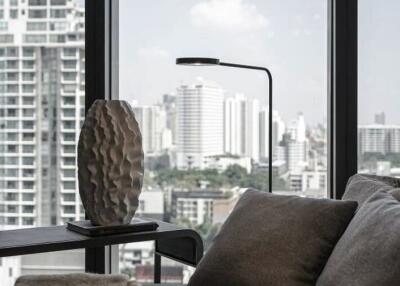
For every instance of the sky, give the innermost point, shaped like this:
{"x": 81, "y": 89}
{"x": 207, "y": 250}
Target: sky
{"x": 287, "y": 36}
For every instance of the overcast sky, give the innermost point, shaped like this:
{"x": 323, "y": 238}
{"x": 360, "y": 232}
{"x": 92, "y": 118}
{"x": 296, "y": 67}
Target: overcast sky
{"x": 287, "y": 36}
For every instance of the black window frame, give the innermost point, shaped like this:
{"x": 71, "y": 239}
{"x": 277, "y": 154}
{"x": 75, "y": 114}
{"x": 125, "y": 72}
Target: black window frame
{"x": 101, "y": 22}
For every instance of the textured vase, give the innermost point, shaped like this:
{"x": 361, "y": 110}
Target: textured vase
{"x": 110, "y": 163}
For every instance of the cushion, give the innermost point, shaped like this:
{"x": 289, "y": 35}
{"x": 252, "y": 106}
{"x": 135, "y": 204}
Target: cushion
{"x": 274, "y": 240}
{"x": 368, "y": 253}
{"x": 395, "y": 193}
{"x": 79, "y": 279}
{"x": 360, "y": 187}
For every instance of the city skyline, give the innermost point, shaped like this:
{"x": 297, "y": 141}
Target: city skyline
{"x": 288, "y": 36}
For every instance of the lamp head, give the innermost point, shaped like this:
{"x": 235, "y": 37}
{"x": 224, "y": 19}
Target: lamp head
{"x": 197, "y": 61}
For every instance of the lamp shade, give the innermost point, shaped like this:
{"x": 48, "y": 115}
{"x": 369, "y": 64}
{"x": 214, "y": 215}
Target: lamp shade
{"x": 197, "y": 61}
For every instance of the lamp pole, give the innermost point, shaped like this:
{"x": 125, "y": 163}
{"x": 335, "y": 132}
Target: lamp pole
{"x": 212, "y": 61}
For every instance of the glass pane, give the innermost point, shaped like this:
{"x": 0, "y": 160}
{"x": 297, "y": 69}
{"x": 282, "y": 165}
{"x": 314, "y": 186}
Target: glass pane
{"x": 378, "y": 87}
{"x": 40, "y": 104}
{"x": 205, "y": 129}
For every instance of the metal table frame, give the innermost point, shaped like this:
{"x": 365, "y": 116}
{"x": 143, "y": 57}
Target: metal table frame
{"x": 180, "y": 244}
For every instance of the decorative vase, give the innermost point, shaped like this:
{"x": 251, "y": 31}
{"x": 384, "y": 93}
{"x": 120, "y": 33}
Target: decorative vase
{"x": 110, "y": 163}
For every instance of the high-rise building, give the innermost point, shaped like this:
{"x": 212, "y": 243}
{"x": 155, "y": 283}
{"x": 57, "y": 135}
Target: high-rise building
{"x": 169, "y": 103}
{"x": 200, "y": 124}
{"x": 380, "y": 118}
{"x": 294, "y": 147}
{"x": 152, "y": 123}
{"x": 297, "y": 148}
{"x": 241, "y": 126}
{"x": 42, "y": 83}
{"x": 278, "y": 129}
{"x": 377, "y": 138}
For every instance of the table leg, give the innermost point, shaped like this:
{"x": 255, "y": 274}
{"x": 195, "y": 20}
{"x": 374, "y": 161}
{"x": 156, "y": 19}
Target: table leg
{"x": 157, "y": 268}
{"x": 95, "y": 260}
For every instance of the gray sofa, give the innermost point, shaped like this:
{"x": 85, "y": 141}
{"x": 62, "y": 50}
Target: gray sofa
{"x": 367, "y": 252}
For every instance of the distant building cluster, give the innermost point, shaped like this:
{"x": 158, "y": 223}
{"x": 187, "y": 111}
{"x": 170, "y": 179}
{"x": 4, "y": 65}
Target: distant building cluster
{"x": 200, "y": 127}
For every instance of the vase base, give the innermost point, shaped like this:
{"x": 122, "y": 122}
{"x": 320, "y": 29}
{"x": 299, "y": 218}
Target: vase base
{"x": 85, "y": 227}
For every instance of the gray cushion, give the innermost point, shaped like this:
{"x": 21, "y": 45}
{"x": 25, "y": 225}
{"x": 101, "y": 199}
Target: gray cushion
{"x": 395, "y": 193}
{"x": 79, "y": 279}
{"x": 368, "y": 253}
{"x": 360, "y": 187}
{"x": 274, "y": 240}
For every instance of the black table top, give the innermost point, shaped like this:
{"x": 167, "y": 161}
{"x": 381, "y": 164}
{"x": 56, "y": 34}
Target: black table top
{"x": 56, "y": 238}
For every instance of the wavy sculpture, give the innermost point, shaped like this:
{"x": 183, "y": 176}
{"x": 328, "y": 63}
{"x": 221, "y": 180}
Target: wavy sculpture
{"x": 110, "y": 163}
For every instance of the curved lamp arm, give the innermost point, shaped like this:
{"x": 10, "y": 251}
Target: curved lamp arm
{"x": 212, "y": 61}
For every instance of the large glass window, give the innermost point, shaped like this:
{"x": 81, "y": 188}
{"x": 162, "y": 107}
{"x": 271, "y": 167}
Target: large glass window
{"x": 205, "y": 129}
{"x": 37, "y": 146}
{"x": 379, "y": 121}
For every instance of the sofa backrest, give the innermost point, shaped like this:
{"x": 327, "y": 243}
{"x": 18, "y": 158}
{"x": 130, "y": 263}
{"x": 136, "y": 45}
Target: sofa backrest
{"x": 360, "y": 187}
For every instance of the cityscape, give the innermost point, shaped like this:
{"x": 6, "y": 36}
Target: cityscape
{"x": 203, "y": 145}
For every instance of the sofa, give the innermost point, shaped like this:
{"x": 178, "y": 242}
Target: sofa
{"x": 355, "y": 241}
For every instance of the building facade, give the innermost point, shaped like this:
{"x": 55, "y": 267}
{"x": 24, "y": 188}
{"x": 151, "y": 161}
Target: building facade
{"x": 241, "y": 126}
{"x": 378, "y": 138}
{"x": 42, "y": 83}
{"x": 200, "y": 124}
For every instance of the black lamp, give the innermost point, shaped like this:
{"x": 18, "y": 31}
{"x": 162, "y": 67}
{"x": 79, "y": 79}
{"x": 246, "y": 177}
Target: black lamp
{"x": 213, "y": 61}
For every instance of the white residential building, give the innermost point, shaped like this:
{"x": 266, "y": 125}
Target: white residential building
{"x": 241, "y": 126}
{"x": 197, "y": 206}
{"x": 378, "y": 138}
{"x": 151, "y": 204}
{"x": 200, "y": 124}
{"x": 297, "y": 145}
{"x": 278, "y": 129}
{"x": 152, "y": 120}
{"x": 312, "y": 183}
{"x": 42, "y": 83}
{"x": 42, "y": 99}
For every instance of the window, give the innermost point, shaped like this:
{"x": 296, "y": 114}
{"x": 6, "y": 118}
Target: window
{"x": 27, "y": 185}
{"x": 36, "y": 26}
{"x": 28, "y": 149}
{"x": 28, "y": 76}
{"x": 69, "y": 52}
{"x": 207, "y": 128}
{"x": 379, "y": 122}
{"x": 57, "y": 38}
{"x": 37, "y": 14}
{"x": 69, "y": 197}
{"x": 28, "y": 197}
{"x": 69, "y": 185}
{"x": 69, "y": 124}
{"x": 13, "y": 13}
{"x": 69, "y": 64}
{"x": 28, "y": 52}
{"x": 6, "y": 38}
{"x": 37, "y": 2}
{"x": 27, "y": 64}
{"x": 3, "y": 26}
{"x": 35, "y": 38}
{"x": 69, "y": 112}
{"x": 58, "y": 13}
{"x": 69, "y": 173}
{"x": 59, "y": 26}
{"x": 58, "y": 2}
{"x": 69, "y": 100}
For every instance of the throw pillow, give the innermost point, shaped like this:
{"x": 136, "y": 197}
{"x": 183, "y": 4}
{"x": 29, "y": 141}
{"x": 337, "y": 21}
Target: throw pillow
{"x": 368, "y": 253}
{"x": 274, "y": 240}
